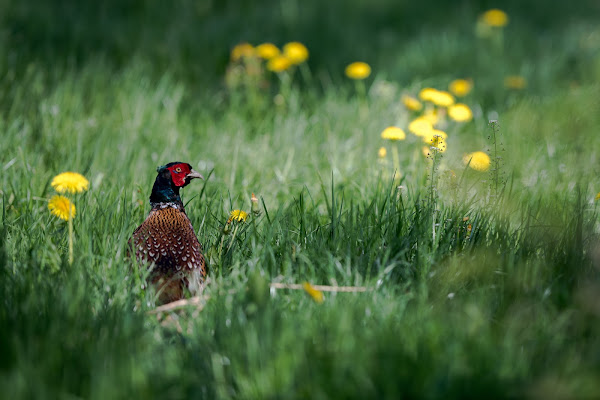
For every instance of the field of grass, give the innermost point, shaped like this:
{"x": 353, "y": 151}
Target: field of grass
{"x": 478, "y": 284}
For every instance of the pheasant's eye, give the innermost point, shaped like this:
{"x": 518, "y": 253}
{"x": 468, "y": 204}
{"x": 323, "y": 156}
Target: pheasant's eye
{"x": 178, "y": 169}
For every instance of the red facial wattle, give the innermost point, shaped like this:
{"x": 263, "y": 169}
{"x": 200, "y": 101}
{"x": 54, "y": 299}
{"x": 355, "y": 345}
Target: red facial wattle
{"x": 179, "y": 172}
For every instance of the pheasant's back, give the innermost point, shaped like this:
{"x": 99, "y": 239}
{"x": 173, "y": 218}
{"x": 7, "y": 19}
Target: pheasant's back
{"x": 167, "y": 239}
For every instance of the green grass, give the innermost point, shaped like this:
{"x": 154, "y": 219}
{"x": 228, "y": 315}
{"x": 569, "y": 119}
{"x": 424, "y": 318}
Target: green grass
{"x": 502, "y": 305}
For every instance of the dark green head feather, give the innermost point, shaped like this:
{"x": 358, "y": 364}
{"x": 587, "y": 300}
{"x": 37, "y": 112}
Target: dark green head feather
{"x": 170, "y": 179}
{"x": 164, "y": 190}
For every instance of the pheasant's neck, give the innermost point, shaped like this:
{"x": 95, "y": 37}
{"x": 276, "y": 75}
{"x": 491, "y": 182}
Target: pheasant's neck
{"x": 171, "y": 204}
{"x": 164, "y": 192}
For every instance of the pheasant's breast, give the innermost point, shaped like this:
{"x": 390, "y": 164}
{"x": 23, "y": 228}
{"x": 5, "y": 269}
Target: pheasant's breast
{"x": 167, "y": 239}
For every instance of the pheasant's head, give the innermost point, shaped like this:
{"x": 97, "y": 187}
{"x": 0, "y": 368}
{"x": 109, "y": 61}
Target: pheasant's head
{"x": 170, "y": 179}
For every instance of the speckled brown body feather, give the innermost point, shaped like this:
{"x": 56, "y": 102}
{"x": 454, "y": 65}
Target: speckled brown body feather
{"x": 167, "y": 239}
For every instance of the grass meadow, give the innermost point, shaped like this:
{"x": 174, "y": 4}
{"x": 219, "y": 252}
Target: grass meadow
{"x": 478, "y": 282}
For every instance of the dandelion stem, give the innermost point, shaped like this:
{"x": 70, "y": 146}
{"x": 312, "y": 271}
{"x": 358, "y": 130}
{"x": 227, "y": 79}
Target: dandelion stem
{"x": 285, "y": 89}
{"x": 496, "y": 173}
{"x": 433, "y": 227}
{"x": 361, "y": 93}
{"x": 496, "y": 169}
{"x": 305, "y": 71}
{"x": 396, "y": 160}
{"x": 432, "y": 199}
{"x": 435, "y": 158}
{"x": 233, "y": 235}
{"x": 70, "y": 223}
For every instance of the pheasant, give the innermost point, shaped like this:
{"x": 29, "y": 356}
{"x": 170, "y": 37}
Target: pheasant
{"x": 166, "y": 239}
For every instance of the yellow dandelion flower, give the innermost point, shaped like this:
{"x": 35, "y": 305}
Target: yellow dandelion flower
{"x": 460, "y": 112}
{"x": 431, "y": 115}
{"x": 495, "y": 17}
{"x": 420, "y": 126}
{"x": 436, "y": 138}
{"x": 279, "y": 64}
{"x": 316, "y": 295}
{"x": 515, "y": 82}
{"x": 426, "y": 94}
{"x": 439, "y": 143}
{"x": 358, "y": 70}
{"x": 479, "y": 160}
{"x": 238, "y": 215}
{"x": 411, "y": 103}
{"x": 267, "y": 51}
{"x": 442, "y": 98}
{"x": 382, "y": 152}
{"x": 461, "y": 87}
{"x": 296, "y": 52}
{"x": 597, "y": 198}
{"x": 62, "y": 207}
{"x": 393, "y": 133}
{"x": 242, "y": 50}
{"x": 438, "y": 97}
{"x": 71, "y": 182}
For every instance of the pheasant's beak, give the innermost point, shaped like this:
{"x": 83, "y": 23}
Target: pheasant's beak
{"x": 193, "y": 174}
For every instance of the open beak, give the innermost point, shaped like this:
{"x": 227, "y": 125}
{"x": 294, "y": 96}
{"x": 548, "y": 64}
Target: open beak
{"x": 193, "y": 174}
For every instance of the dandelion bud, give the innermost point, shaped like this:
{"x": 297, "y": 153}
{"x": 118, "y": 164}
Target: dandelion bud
{"x": 254, "y": 207}
{"x": 227, "y": 228}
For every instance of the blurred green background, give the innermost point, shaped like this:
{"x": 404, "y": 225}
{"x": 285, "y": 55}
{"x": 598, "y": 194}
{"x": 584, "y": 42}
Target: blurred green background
{"x": 193, "y": 38}
{"x": 501, "y": 302}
